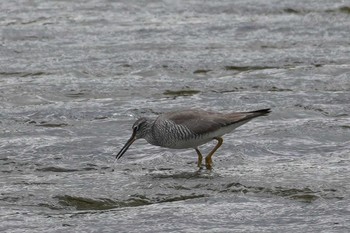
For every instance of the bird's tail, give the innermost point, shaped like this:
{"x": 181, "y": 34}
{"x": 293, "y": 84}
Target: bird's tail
{"x": 261, "y": 112}
{"x": 244, "y": 117}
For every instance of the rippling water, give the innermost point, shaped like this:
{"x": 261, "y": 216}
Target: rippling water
{"x": 75, "y": 75}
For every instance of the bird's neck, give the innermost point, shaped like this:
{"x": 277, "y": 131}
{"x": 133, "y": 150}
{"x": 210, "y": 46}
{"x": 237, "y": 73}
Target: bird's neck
{"x": 148, "y": 131}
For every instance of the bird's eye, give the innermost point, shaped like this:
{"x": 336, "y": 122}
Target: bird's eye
{"x": 136, "y": 127}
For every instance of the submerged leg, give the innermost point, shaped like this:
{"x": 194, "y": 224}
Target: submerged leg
{"x": 208, "y": 160}
{"x": 200, "y": 157}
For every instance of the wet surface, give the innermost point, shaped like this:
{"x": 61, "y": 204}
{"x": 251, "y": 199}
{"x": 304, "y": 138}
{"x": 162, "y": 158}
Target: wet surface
{"x": 75, "y": 76}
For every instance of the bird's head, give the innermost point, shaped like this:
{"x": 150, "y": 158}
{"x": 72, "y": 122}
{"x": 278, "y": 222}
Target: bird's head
{"x": 139, "y": 130}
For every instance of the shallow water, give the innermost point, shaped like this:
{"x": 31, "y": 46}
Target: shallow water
{"x": 74, "y": 77}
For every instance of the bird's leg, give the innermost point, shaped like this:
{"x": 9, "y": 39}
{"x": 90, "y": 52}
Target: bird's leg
{"x": 208, "y": 161}
{"x": 200, "y": 157}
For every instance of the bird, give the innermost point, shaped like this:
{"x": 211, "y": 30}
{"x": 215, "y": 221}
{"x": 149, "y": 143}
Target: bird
{"x": 189, "y": 128}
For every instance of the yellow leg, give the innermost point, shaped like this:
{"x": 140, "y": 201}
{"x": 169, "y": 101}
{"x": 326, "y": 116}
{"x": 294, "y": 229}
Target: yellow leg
{"x": 208, "y": 160}
{"x": 200, "y": 158}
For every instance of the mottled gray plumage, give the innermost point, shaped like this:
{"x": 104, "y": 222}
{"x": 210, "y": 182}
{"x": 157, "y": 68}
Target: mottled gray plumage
{"x": 189, "y": 129}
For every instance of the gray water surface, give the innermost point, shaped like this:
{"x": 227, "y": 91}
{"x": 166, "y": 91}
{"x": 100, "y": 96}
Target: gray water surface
{"x": 75, "y": 75}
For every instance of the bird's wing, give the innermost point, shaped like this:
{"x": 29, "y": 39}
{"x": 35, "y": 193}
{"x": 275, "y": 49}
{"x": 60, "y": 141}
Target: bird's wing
{"x": 202, "y": 122}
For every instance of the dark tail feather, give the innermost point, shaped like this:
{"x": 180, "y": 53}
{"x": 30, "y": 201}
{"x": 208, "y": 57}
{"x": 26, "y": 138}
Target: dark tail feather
{"x": 244, "y": 117}
{"x": 261, "y": 112}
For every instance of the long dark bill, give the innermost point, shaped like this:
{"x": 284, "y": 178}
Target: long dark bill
{"x": 126, "y": 146}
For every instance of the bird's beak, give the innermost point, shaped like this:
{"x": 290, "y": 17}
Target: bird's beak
{"x": 126, "y": 146}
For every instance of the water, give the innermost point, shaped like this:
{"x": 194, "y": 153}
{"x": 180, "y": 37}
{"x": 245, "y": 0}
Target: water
{"x": 75, "y": 75}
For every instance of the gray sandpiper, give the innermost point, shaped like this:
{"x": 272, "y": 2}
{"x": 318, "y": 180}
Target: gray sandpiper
{"x": 189, "y": 129}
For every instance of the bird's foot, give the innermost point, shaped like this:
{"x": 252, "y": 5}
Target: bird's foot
{"x": 209, "y": 166}
{"x": 200, "y": 167}
{"x": 208, "y": 163}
